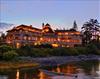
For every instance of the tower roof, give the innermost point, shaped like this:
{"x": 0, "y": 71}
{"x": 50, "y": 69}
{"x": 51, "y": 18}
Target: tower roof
{"x": 47, "y": 24}
{"x": 47, "y": 29}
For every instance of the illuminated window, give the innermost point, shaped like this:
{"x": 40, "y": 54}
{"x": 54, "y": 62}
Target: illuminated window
{"x": 8, "y": 41}
{"x": 77, "y": 33}
{"x": 35, "y": 43}
{"x": 25, "y": 37}
{"x": 68, "y": 46}
{"x": 29, "y": 38}
{"x": 55, "y": 45}
{"x": 59, "y": 33}
{"x": 17, "y": 45}
{"x": 42, "y": 30}
{"x": 46, "y": 30}
{"x": 41, "y": 39}
{"x": 58, "y": 39}
{"x": 20, "y": 30}
{"x": 72, "y": 33}
{"x": 66, "y": 33}
{"x": 68, "y": 40}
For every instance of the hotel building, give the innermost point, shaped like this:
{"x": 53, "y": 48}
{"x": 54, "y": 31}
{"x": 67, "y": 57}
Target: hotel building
{"x": 27, "y": 35}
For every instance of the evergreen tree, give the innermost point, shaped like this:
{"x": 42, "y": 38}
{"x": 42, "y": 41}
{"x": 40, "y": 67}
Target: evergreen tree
{"x": 75, "y": 26}
{"x": 91, "y": 31}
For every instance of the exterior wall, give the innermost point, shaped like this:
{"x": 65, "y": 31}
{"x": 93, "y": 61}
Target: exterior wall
{"x": 69, "y": 39}
{"x": 18, "y": 39}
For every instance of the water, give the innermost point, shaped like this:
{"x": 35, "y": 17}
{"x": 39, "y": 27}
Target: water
{"x": 82, "y": 70}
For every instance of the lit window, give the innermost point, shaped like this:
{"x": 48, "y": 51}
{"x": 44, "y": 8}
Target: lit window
{"x": 25, "y": 37}
{"x": 77, "y": 33}
{"x": 68, "y": 40}
{"x": 58, "y": 39}
{"x": 29, "y": 38}
{"x": 46, "y": 30}
{"x": 8, "y": 41}
{"x": 66, "y": 33}
{"x": 72, "y": 33}
{"x": 17, "y": 45}
{"x": 20, "y": 30}
{"x": 41, "y": 39}
{"x": 59, "y": 33}
{"x": 55, "y": 45}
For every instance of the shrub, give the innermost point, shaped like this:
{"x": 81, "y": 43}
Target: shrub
{"x": 92, "y": 49}
{"x": 72, "y": 51}
{"x": 36, "y": 52}
{"x": 5, "y": 48}
{"x": 64, "y": 51}
{"x": 10, "y": 55}
{"x": 25, "y": 51}
{"x": 82, "y": 50}
{"x": 57, "y": 52}
{"x": 98, "y": 52}
{"x": 42, "y": 52}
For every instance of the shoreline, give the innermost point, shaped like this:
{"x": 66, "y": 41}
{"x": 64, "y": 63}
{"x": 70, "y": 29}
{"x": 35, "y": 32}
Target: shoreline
{"x": 44, "y": 61}
{"x": 60, "y": 60}
{"x": 9, "y": 65}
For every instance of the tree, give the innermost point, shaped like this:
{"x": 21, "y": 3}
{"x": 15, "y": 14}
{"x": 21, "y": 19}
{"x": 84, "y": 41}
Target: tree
{"x": 74, "y": 28}
{"x": 3, "y": 49}
{"x": 90, "y": 30}
{"x": 92, "y": 49}
{"x": 2, "y": 39}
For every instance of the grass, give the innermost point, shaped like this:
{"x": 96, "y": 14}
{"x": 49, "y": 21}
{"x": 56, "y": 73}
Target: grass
{"x": 5, "y": 65}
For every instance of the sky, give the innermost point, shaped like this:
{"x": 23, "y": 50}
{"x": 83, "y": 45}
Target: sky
{"x": 58, "y": 13}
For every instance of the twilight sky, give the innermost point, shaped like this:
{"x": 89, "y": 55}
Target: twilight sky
{"x": 59, "y": 13}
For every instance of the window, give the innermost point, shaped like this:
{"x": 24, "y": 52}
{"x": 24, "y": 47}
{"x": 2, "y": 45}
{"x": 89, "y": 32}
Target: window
{"x": 17, "y": 45}
{"x": 25, "y": 37}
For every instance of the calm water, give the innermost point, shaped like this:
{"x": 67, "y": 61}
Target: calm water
{"x": 90, "y": 69}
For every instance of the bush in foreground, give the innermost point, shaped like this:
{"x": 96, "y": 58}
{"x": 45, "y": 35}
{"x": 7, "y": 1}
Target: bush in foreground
{"x": 10, "y": 55}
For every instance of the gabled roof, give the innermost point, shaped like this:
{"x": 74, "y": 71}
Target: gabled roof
{"x": 24, "y": 27}
{"x": 47, "y": 24}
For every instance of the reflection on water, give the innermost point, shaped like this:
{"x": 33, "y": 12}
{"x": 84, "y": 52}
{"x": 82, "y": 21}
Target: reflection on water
{"x": 25, "y": 76}
{"x": 58, "y": 69}
{"x": 89, "y": 68}
{"x": 17, "y": 74}
{"x": 97, "y": 75}
{"x": 43, "y": 76}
